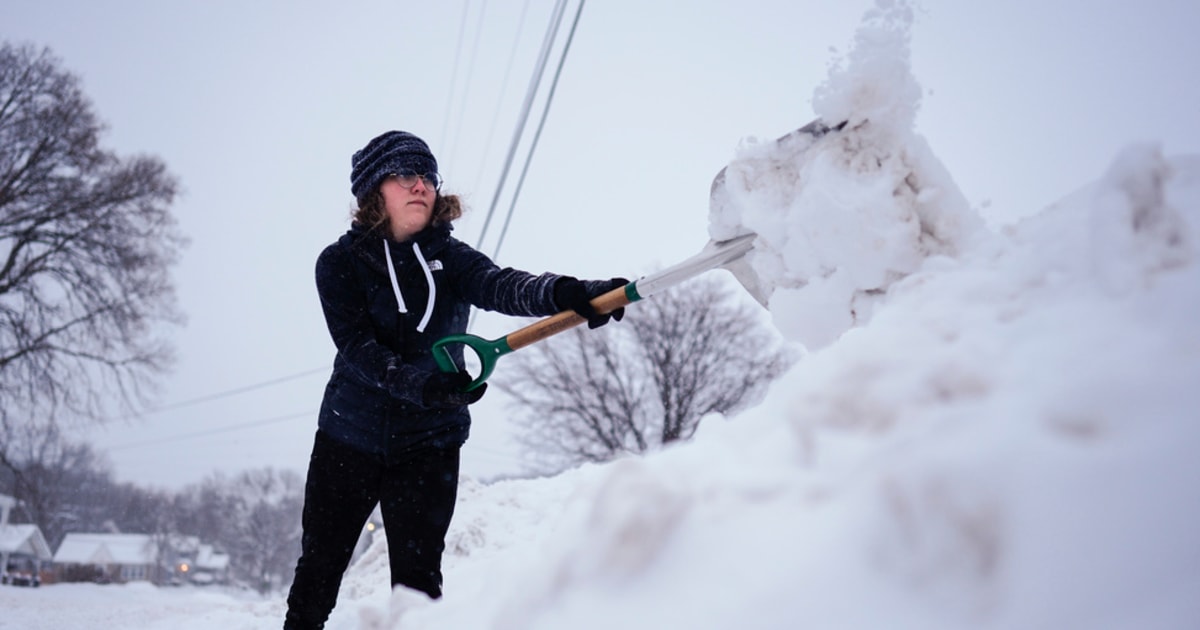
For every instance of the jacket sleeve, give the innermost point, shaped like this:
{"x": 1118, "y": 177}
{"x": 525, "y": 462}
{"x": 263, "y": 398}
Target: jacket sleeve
{"x": 348, "y": 318}
{"x": 509, "y": 291}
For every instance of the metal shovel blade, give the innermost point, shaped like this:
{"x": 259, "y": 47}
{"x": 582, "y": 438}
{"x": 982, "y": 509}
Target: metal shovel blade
{"x": 715, "y": 254}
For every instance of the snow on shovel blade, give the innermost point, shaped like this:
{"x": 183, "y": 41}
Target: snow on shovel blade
{"x": 791, "y": 144}
{"x": 729, "y": 254}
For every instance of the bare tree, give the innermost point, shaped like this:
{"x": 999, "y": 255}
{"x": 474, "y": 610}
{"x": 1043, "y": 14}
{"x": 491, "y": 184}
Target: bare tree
{"x": 254, "y": 517}
{"x": 54, "y": 479}
{"x": 590, "y": 395}
{"x": 263, "y": 532}
{"x": 86, "y": 243}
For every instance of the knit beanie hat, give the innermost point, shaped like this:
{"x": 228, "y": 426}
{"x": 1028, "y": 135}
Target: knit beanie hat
{"x": 388, "y": 153}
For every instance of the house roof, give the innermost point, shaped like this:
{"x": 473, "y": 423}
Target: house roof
{"x": 24, "y": 539}
{"x": 124, "y": 549}
{"x": 211, "y": 560}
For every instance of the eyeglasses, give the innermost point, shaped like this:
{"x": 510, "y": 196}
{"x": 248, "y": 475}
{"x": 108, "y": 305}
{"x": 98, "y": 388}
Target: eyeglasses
{"x": 407, "y": 179}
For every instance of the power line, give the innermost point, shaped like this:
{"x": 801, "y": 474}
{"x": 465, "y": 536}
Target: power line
{"x": 512, "y": 54}
{"x": 462, "y": 109}
{"x": 462, "y": 28}
{"x": 539, "y": 69}
{"x": 225, "y": 429}
{"x": 225, "y": 394}
{"x": 541, "y": 125}
{"x": 236, "y": 391}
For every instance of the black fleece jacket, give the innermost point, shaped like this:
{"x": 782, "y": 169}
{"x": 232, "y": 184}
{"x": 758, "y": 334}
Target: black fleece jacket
{"x": 373, "y": 400}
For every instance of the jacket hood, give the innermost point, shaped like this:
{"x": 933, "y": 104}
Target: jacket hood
{"x": 364, "y": 242}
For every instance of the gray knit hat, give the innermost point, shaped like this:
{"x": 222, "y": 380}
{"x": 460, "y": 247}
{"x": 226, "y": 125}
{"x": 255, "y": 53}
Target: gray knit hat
{"x": 388, "y": 153}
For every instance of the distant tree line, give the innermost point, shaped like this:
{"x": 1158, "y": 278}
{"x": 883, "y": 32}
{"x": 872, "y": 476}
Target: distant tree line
{"x": 254, "y": 516}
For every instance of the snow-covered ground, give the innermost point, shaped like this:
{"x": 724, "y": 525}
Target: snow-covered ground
{"x": 991, "y": 429}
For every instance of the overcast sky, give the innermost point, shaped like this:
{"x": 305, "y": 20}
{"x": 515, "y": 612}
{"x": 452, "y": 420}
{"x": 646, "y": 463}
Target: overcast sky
{"x": 257, "y": 106}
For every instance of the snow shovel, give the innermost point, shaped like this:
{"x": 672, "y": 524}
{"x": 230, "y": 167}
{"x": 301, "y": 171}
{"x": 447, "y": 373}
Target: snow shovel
{"x": 715, "y": 254}
{"x": 727, "y": 254}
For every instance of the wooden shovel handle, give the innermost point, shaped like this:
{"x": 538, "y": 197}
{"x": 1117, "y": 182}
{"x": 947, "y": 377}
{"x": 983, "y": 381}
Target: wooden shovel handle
{"x": 550, "y": 326}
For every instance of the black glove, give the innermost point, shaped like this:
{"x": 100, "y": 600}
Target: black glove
{"x": 572, "y": 293}
{"x": 444, "y": 390}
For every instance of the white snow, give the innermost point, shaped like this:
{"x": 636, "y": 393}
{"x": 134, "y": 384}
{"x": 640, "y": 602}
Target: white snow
{"x": 990, "y": 429}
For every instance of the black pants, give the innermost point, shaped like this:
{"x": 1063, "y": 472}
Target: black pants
{"x": 416, "y": 498}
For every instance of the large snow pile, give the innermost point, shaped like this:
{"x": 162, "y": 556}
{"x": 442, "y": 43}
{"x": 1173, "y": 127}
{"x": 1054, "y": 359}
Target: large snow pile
{"x": 991, "y": 430}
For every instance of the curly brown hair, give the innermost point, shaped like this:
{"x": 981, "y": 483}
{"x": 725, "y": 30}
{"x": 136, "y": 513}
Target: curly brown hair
{"x": 372, "y": 214}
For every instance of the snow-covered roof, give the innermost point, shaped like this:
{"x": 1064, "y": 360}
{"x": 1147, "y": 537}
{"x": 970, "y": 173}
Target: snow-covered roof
{"x": 24, "y": 539}
{"x": 125, "y": 549}
{"x": 211, "y": 560}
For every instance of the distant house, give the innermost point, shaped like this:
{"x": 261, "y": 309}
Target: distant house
{"x": 197, "y": 562}
{"x": 211, "y": 567}
{"x": 108, "y": 558}
{"x": 23, "y": 549}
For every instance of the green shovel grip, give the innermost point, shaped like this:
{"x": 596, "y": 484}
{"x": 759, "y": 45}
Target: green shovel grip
{"x": 487, "y": 351}
{"x": 490, "y": 351}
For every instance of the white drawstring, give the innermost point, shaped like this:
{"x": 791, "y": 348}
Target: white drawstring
{"x": 432, "y": 288}
{"x": 387, "y": 252}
